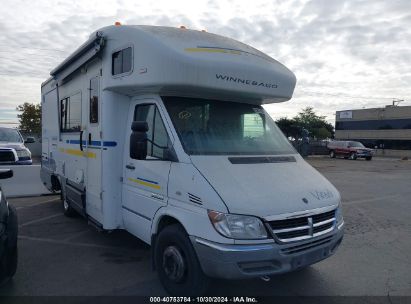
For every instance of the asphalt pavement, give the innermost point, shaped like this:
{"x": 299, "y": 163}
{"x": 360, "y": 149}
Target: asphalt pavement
{"x": 63, "y": 256}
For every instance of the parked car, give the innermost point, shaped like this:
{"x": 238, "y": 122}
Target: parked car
{"x": 349, "y": 149}
{"x": 12, "y": 148}
{"x": 8, "y": 234}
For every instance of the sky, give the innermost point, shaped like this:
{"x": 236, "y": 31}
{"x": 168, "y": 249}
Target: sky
{"x": 346, "y": 54}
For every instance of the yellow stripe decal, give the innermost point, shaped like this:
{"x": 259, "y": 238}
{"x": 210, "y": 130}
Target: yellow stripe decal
{"x": 210, "y": 50}
{"x": 144, "y": 183}
{"x": 78, "y": 153}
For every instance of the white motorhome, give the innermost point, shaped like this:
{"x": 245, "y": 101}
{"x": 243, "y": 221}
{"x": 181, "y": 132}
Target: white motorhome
{"x": 161, "y": 131}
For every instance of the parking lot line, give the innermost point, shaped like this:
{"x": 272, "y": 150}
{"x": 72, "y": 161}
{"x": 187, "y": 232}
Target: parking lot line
{"x": 39, "y": 203}
{"x": 41, "y": 219}
{"x": 373, "y": 199}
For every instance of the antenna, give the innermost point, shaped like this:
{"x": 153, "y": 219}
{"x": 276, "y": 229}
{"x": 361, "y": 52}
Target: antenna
{"x": 396, "y": 101}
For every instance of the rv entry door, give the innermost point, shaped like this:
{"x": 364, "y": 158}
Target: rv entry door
{"x": 94, "y": 146}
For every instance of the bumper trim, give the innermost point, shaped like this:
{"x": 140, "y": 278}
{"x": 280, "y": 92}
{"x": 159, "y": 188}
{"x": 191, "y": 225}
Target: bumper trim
{"x": 234, "y": 248}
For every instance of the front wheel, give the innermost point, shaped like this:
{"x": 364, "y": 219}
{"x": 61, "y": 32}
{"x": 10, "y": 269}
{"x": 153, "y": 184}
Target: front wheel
{"x": 177, "y": 264}
{"x": 332, "y": 154}
{"x": 368, "y": 158}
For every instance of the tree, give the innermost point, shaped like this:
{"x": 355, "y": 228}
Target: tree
{"x": 289, "y": 127}
{"x": 30, "y": 117}
{"x": 318, "y": 127}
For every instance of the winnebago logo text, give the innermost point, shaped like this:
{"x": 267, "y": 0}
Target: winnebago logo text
{"x": 246, "y": 81}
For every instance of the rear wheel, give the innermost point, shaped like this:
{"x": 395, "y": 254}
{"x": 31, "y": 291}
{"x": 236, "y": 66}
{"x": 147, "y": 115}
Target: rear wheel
{"x": 177, "y": 264}
{"x": 67, "y": 209}
{"x": 353, "y": 156}
{"x": 368, "y": 158}
{"x": 332, "y": 154}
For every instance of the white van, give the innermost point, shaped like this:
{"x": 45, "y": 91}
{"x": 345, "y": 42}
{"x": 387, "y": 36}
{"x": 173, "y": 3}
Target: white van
{"x": 161, "y": 131}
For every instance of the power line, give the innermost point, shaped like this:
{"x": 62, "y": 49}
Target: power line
{"x": 33, "y": 48}
{"x": 343, "y": 95}
{"x": 9, "y": 53}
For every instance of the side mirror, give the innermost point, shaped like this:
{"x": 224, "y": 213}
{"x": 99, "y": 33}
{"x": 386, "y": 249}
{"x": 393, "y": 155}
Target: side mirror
{"x": 29, "y": 140}
{"x": 138, "y": 140}
{"x": 139, "y": 126}
{"x": 6, "y": 173}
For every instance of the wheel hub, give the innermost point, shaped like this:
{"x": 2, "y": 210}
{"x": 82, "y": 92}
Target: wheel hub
{"x": 173, "y": 264}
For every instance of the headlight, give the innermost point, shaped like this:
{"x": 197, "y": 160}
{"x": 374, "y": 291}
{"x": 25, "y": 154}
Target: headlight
{"x": 236, "y": 226}
{"x": 339, "y": 217}
{"x": 23, "y": 153}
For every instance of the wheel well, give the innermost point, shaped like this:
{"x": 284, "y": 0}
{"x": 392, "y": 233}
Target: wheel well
{"x": 166, "y": 221}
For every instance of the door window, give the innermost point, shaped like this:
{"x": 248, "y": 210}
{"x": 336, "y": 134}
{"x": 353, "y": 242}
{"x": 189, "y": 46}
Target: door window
{"x": 157, "y": 133}
{"x": 94, "y": 100}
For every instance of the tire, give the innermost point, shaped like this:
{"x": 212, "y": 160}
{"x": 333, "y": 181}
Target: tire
{"x": 8, "y": 263}
{"x": 177, "y": 264}
{"x": 11, "y": 262}
{"x": 353, "y": 156}
{"x": 67, "y": 209}
{"x": 368, "y": 158}
{"x": 332, "y": 154}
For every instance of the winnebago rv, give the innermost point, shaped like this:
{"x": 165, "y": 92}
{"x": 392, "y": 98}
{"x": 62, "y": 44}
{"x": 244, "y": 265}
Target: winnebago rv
{"x": 161, "y": 131}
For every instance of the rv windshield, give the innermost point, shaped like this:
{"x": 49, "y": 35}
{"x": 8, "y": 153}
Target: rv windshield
{"x": 10, "y": 135}
{"x": 212, "y": 127}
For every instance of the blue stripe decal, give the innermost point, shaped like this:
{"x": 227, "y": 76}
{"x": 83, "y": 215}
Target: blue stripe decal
{"x": 147, "y": 180}
{"x": 96, "y": 143}
{"x": 109, "y": 144}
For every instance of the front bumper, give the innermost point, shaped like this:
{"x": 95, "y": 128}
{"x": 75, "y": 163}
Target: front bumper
{"x": 17, "y": 162}
{"x": 247, "y": 261}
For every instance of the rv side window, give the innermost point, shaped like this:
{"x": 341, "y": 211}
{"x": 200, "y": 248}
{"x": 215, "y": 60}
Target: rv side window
{"x": 94, "y": 100}
{"x": 70, "y": 108}
{"x": 121, "y": 61}
{"x": 156, "y": 133}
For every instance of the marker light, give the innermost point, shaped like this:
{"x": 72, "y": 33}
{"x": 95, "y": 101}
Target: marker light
{"x": 117, "y": 23}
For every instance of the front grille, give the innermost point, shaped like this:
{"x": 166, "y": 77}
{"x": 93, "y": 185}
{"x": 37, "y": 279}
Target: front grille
{"x": 7, "y": 156}
{"x": 306, "y": 246}
{"x": 301, "y": 228}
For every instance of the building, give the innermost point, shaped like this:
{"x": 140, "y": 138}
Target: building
{"x": 386, "y": 129}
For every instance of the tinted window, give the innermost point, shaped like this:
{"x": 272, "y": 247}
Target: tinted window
{"x": 94, "y": 100}
{"x": 70, "y": 119}
{"x": 122, "y": 61}
{"x": 383, "y": 124}
{"x": 156, "y": 133}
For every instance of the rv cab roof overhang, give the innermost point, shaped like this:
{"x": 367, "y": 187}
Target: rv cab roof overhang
{"x": 169, "y": 61}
